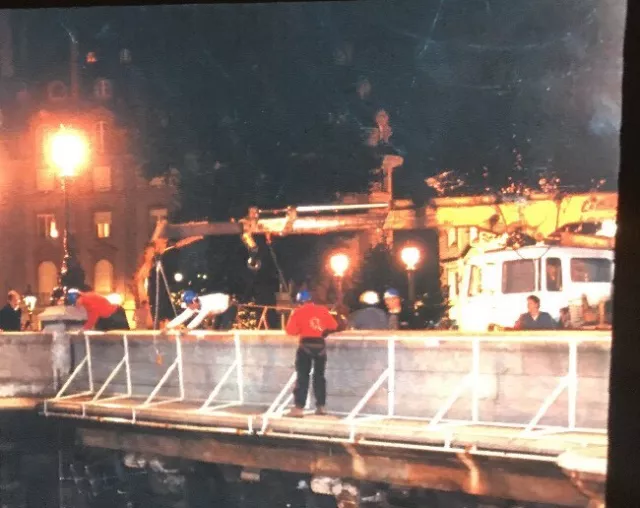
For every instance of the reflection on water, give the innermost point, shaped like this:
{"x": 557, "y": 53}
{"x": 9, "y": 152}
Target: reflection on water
{"x": 32, "y": 464}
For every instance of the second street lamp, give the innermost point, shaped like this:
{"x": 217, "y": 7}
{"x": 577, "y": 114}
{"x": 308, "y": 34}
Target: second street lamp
{"x": 410, "y": 256}
{"x": 68, "y": 151}
{"x": 339, "y": 264}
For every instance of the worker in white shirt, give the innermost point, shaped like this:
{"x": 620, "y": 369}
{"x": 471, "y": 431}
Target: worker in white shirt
{"x": 200, "y": 307}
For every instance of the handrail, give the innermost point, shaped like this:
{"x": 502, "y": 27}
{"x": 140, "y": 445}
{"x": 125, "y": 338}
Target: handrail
{"x": 352, "y": 420}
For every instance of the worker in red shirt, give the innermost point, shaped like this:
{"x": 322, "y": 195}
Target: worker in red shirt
{"x": 102, "y": 315}
{"x": 312, "y": 323}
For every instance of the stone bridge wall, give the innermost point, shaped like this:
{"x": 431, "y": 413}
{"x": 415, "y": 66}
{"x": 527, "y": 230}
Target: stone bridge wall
{"x": 517, "y": 371}
{"x": 25, "y": 365}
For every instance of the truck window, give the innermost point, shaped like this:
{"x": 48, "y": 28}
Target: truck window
{"x": 475, "y": 281}
{"x": 518, "y": 276}
{"x": 591, "y": 270}
{"x": 554, "y": 274}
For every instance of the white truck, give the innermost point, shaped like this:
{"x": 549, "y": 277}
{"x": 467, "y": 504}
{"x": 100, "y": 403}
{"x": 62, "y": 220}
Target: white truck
{"x": 490, "y": 288}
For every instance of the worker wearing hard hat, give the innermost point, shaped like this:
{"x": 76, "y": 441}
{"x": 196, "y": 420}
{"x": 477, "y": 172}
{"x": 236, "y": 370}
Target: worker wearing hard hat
{"x": 312, "y": 323}
{"x": 199, "y": 307}
{"x": 369, "y": 317}
{"x": 399, "y": 317}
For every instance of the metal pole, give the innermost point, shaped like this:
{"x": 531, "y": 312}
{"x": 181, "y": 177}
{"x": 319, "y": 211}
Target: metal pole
{"x": 339, "y": 296}
{"x": 73, "y": 68}
{"x": 411, "y": 286}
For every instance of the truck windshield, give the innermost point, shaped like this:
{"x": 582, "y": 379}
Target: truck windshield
{"x": 591, "y": 270}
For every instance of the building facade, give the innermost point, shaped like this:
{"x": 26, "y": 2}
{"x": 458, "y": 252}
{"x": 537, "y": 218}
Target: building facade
{"x": 113, "y": 207}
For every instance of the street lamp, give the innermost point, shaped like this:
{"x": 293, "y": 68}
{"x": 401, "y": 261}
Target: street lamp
{"x": 178, "y": 277}
{"x": 410, "y": 256}
{"x": 68, "y": 151}
{"x": 339, "y": 263}
{"x": 30, "y": 300}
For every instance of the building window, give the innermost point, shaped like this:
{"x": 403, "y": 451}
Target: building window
{"x": 103, "y": 89}
{"x": 102, "y": 178}
{"x": 57, "y": 90}
{"x": 102, "y": 221}
{"x": 47, "y": 279}
{"x": 156, "y": 215}
{"x": 100, "y": 137}
{"x": 103, "y": 277}
{"x": 47, "y": 227}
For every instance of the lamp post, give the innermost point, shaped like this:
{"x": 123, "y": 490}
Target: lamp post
{"x": 410, "y": 256}
{"x": 30, "y": 300}
{"x": 68, "y": 151}
{"x": 339, "y": 263}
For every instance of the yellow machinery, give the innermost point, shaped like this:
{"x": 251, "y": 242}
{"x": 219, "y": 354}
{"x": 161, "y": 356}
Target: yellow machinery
{"x": 544, "y": 217}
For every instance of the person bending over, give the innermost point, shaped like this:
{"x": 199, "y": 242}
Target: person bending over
{"x": 198, "y": 308}
{"x": 102, "y": 315}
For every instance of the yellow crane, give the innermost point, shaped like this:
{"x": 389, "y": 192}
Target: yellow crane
{"x": 544, "y": 217}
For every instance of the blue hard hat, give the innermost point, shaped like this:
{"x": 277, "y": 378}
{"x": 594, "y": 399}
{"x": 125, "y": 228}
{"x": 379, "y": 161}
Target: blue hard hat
{"x": 189, "y": 296}
{"x": 303, "y": 296}
{"x": 72, "y": 296}
{"x": 392, "y": 293}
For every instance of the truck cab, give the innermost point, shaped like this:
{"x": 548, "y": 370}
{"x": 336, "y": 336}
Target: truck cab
{"x": 490, "y": 288}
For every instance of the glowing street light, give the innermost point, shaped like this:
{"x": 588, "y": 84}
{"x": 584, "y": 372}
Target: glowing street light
{"x": 68, "y": 150}
{"x": 411, "y": 256}
{"x": 339, "y": 264}
{"x": 178, "y": 277}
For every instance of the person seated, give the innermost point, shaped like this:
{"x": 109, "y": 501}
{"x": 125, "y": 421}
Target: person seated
{"x": 198, "y": 308}
{"x": 102, "y": 315}
{"x": 533, "y": 319}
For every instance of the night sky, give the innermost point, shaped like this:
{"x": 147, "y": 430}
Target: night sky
{"x": 275, "y": 104}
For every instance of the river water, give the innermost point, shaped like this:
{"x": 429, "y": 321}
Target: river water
{"x": 42, "y": 467}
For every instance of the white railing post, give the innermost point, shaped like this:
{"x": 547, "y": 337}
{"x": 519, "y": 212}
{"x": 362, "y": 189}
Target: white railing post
{"x": 239, "y": 367}
{"x": 572, "y": 379}
{"x": 475, "y": 381}
{"x": 391, "y": 380}
{"x": 127, "y": 364}
{"x": 180, "y": 366}
{"x": 87, "y": 344}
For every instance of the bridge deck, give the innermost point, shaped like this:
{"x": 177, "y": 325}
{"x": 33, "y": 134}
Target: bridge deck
{"x": 447, "y": 435}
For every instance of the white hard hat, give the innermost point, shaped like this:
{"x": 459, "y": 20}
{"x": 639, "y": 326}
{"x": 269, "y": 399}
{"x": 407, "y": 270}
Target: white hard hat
{"x": 370, "y": 298}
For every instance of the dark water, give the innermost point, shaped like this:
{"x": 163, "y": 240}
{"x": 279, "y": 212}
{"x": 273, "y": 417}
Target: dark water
{"x": 42, "y": 467}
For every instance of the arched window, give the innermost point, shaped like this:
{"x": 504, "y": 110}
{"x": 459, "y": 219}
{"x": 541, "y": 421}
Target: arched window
{"x": 47, "y": 278}
{"x": 103, "y": 279}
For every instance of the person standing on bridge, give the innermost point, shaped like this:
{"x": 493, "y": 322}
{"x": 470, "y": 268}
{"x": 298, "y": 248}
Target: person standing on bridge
{"x": 312, "y": 323}
{"x": 369, "y": 317}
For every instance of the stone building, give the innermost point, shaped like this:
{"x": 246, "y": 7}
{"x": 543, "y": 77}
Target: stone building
{"x": 113, "y": 208}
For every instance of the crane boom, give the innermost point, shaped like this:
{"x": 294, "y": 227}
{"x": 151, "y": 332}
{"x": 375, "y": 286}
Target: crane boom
{"x": 538, "y": 215}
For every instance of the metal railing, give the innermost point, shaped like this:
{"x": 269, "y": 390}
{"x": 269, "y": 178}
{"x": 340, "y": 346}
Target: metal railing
{"x": 262, "y": 314}
{"x": 259, "y": 421}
